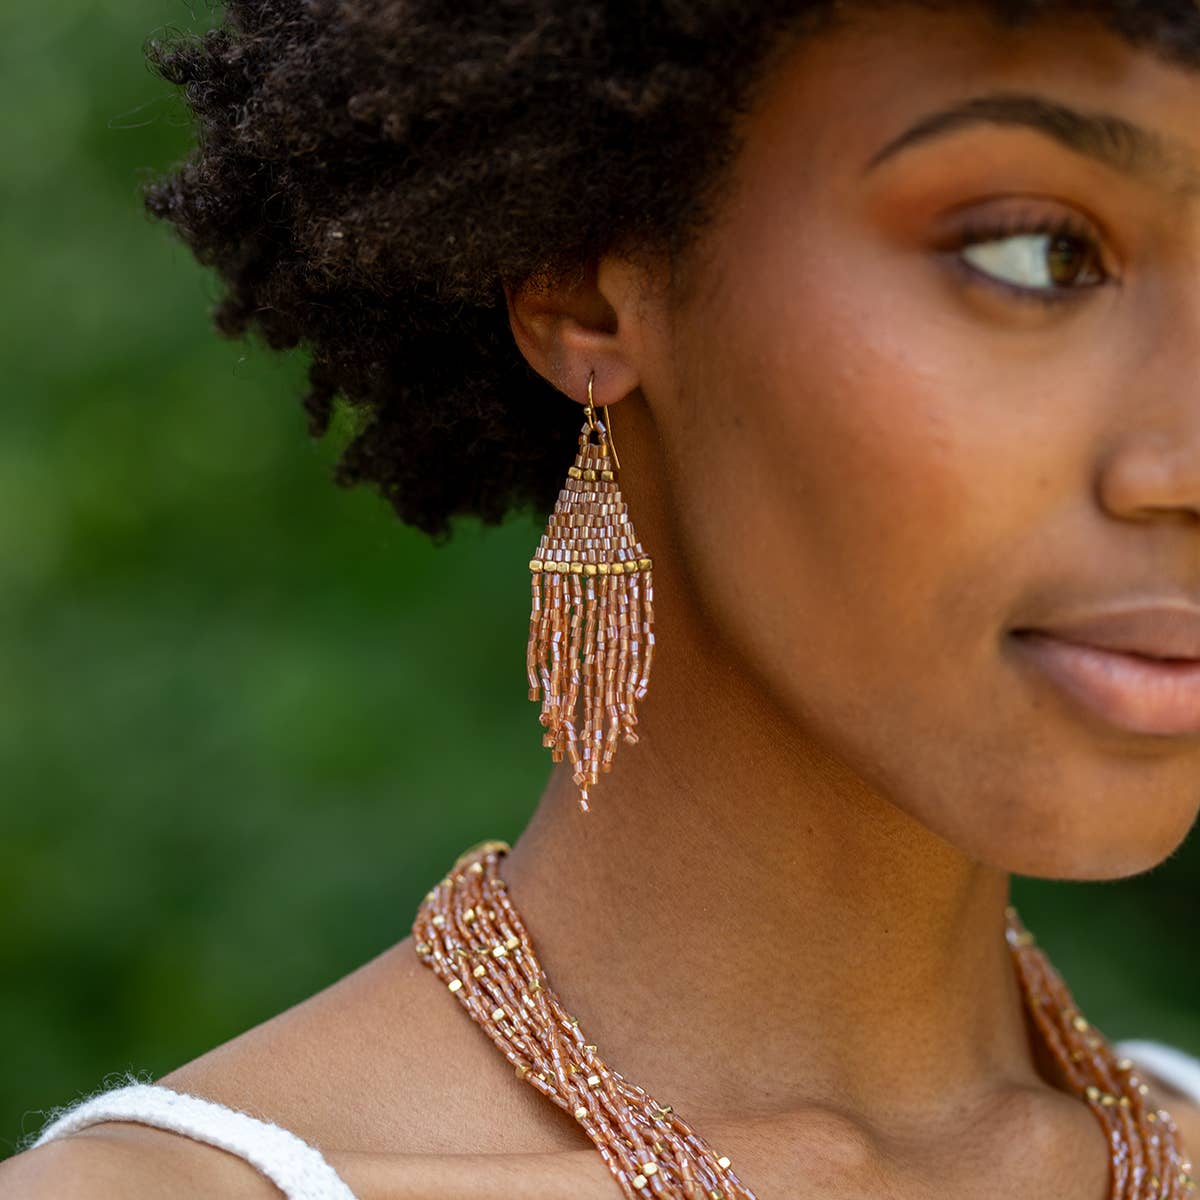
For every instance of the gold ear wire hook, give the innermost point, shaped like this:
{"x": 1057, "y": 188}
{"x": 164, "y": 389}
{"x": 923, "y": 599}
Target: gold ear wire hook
{"x": 591, "y": 416}
{"x": 590, "y": 408}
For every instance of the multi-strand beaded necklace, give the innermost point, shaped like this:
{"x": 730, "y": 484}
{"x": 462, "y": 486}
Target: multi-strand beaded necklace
{"x": 472, "y": 937}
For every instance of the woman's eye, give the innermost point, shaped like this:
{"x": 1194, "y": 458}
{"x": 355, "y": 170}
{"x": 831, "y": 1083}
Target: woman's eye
{"x": 1039, "y": 264}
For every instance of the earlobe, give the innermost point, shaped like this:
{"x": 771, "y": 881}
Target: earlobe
{"x": 567, "y": 331}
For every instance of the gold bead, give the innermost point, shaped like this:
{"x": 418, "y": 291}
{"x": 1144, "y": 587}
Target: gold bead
{"x": 606, "y": 475}
{"x": 589, "y": 568}
{"x": 1142, "y": 1088}
{"x": 602, "y": 568}
{"x": 1107, "y": 1099}
{"x": 1124, "y": 1064}
{"x": 638, "y": 1181}
{"x": 535, "y": 564}
{"x": 723, "y": 1163}
{"x": 1081, "y": 1024}
{"x": 580, "y": 1113}
{"x": 616, "y": 568}
{"x": 497, "y": 1014}
{"x": 575, "y": 568}
{"x": 536, "y": 986}
{"x": 522, "y": 1070}
{"x": 645, "y": 563}
{"x": 498, "y": 951}
{"x": 574, "y": 472}
{"x": 1092, "y": 1092}
{"x": 593, "y": 1081}
{"x": 424, "y": 948}
{"x": 1151, "y": 1117}
{"x": 589, "y": 1048}
{"x": 513, "y": 942}
{"x": 454, "y": 984}
{"x": 649, "y": 1168}
{"x": 468, "y": 915}
{"x": 439, "y": 920}
{"x": 480, "y": 971}
{"x": 1124, "y": 1102}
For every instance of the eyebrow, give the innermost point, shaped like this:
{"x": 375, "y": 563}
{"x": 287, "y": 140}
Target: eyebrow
{"x": 1113, "y": 140}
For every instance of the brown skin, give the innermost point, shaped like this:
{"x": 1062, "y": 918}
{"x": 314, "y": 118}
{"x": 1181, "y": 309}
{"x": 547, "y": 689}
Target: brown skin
{"x": 855, "y": 471}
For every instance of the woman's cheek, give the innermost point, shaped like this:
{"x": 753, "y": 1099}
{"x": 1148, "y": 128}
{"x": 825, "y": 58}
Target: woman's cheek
{"x": 877, "y": 447}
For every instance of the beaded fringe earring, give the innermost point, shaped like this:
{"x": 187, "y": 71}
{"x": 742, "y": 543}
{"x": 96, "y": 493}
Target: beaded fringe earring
{"x": 593, "y": 589}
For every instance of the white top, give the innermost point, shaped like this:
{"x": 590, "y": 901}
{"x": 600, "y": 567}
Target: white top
{"x": 300, "y": 1171}
{"x": 296, "y": 1168}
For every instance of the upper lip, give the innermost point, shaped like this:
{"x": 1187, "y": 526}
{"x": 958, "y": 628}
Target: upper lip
{"x": 1155, "y": 631}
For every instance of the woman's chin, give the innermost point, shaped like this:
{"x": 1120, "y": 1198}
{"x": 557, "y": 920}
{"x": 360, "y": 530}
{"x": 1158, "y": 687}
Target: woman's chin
{"x": 1096, "y": 852}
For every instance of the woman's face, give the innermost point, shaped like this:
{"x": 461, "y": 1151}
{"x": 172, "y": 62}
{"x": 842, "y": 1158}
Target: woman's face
{"x": 888, "y": 450}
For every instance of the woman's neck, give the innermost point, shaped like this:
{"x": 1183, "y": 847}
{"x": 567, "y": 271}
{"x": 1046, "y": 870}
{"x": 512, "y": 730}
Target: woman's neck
{"x": 746, "y": 929}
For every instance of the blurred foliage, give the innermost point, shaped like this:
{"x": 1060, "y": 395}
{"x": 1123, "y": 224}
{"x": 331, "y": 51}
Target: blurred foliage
{"x": 248, "y": 718}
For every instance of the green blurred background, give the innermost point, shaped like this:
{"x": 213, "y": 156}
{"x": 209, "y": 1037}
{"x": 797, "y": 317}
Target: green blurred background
{"x": 248, "y": 718}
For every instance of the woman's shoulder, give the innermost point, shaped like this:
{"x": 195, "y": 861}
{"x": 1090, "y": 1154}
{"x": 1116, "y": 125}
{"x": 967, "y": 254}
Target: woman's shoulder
{"x": 127, "y": 1161}
{"x": 308, "y": 1072}
{"x": 115, "y": 1159}
{"x": 383, "y": 1062}
{"x": 380, "y": 1074}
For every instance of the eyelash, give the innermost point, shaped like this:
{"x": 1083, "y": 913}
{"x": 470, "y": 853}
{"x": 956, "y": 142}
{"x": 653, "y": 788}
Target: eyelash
{"x": 984, "y": 229}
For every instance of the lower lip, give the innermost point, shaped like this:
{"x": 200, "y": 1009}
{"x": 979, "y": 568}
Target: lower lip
{"x": 1140, "y": 695}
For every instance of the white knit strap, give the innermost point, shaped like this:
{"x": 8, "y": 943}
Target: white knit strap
{"x": 1173, "y": 1066}
{"x": 295, "y": 1167}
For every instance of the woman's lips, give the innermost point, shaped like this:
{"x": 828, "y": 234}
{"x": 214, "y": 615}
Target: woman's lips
{"x": 1131, "y": 691}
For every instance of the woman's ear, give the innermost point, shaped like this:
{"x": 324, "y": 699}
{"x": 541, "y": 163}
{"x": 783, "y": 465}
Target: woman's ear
{"x": 570, "y": 328}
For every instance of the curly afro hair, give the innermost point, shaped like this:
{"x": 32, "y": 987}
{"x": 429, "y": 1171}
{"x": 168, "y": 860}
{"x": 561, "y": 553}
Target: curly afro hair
{"x": 368, "y": 174}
